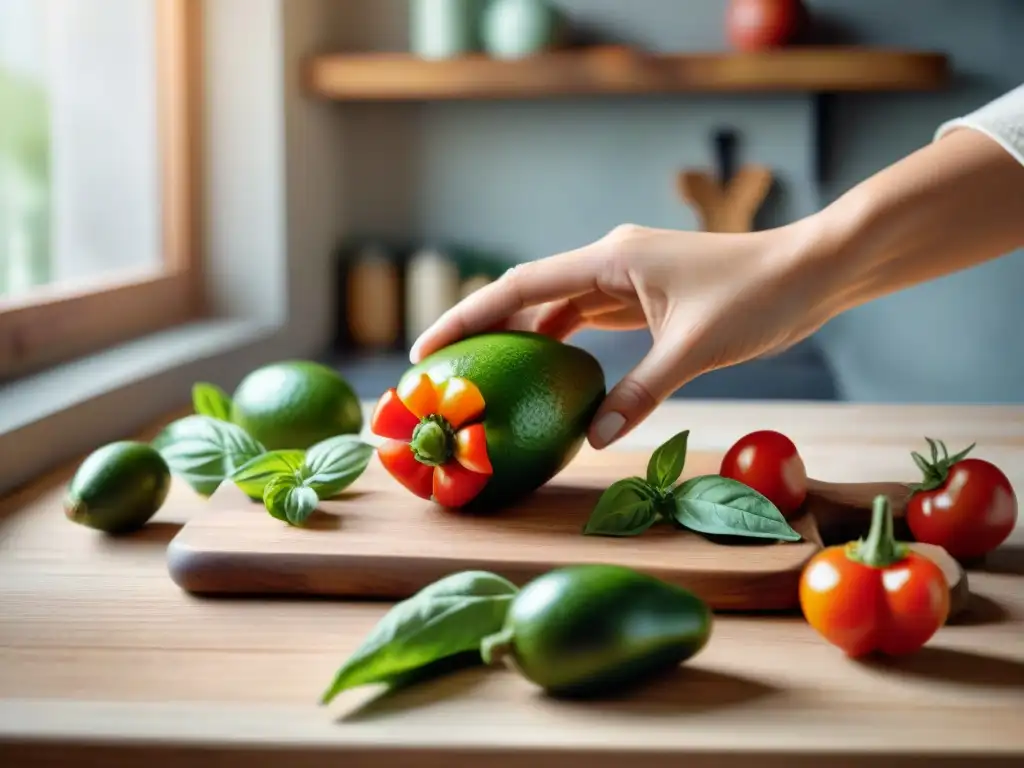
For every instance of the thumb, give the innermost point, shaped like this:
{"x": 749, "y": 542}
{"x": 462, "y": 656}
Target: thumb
{"x": 639, "y": 392}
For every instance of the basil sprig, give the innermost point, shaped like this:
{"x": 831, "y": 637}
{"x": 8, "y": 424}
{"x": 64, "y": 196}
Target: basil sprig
{"x": 709, "y": 504}
{"x": 256, "y": 474}
{"x": 205, "y": 450}
{"x": 287, "y": 499}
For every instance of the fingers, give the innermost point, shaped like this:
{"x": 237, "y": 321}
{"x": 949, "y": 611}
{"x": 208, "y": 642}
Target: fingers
{"x": 558, "y": 321}
{"x": 534, "y": 282}
{"x": 625, "y": 319}
{"x": 630, "y": 401}
{"x": 561, "y": 319}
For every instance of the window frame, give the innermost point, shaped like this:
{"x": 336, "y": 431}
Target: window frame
{"x": 54, "y": 324}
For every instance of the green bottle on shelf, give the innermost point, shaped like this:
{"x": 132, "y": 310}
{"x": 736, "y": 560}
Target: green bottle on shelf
{"x": 444, "y": 29}
{"x": 512, "y": 29}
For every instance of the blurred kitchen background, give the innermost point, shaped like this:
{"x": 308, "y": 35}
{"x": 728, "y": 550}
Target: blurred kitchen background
{"x": 396, "y": 207}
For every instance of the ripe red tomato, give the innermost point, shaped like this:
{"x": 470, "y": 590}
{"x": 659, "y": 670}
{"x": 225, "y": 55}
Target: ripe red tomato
{"x": 753, "y": 25}
{"x": 768, "y": 462}
{"x": 967, "y": 506}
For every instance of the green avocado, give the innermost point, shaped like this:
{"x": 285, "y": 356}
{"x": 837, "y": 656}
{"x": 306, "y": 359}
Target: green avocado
{"x": 591, "y": 630}
{"x": 118, "y": 487}
{"x": 540, "y": 395}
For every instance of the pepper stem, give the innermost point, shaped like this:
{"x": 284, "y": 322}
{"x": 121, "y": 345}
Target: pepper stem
{"x": 432, "y": 442}
{"x": 494, "y": 648}
{"x": 880, "y": 548}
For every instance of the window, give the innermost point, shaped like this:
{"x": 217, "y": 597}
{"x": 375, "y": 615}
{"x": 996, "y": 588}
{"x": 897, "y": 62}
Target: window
{"x": 98, "y": 171}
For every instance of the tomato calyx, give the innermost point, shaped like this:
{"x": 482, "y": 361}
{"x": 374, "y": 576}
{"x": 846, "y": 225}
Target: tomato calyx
{"x": 879, "y": 549}
{"x": 937, "y": 470}
{"x": 436, "y": 442}
{"x": 433, "y": 441}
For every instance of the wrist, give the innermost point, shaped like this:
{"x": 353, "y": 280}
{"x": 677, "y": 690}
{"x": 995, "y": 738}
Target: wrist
{"x": 846, "y": 248}
{"x": 949, "y": 206}
{"x": 823, "y": 257}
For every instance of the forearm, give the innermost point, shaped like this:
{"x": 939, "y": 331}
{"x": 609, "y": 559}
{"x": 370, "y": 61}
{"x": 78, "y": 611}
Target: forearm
{"x": 953, "y": 204}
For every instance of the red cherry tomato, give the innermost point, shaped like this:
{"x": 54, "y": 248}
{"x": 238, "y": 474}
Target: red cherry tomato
{"x": 967, "y": 506}
{"x": 768, "y": 462}
{"x": 754, "y": 25}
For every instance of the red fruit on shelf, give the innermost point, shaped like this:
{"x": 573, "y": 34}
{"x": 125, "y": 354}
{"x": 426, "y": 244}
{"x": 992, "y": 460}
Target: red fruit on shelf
{"x": 755, "y": 25}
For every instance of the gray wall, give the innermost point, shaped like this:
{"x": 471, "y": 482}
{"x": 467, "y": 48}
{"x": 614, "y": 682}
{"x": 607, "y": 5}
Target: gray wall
{"x": 955, "y": 339}
{"x": 529, "y": 179}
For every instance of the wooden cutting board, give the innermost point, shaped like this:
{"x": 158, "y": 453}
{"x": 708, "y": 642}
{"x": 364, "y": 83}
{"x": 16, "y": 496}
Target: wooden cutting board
{"x": 379, "y": 541}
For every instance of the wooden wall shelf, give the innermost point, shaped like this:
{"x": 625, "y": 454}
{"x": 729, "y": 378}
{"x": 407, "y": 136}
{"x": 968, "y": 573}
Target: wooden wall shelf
{"x": 617, "y": 71}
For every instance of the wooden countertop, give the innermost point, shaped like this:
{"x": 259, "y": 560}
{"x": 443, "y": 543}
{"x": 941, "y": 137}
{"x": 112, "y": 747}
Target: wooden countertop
{"x": 104, "y": 661}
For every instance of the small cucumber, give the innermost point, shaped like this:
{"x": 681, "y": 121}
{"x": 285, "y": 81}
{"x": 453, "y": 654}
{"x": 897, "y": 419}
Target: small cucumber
{"x": 591, "y": 630}
{"x": 118, "y": 487}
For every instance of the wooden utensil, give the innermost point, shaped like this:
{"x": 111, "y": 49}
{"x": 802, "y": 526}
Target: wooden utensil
{"x": 729, "y": 202}
{"x": 379, "y": 541}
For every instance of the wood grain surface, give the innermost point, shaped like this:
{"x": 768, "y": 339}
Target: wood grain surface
{"x": 105, "y": 661}
{"x": 381, "y": 541}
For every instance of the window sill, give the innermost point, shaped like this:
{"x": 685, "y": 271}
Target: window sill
{"x": 68, "y": 410}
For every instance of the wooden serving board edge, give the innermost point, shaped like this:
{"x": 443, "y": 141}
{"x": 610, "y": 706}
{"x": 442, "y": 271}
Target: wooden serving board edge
{"x": 298, "y": 576}
{"x": 394, "y": 578}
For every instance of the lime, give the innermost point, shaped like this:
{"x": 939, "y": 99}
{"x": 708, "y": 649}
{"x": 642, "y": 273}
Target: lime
{"x": 295, "y": 404}
{"x": 118, "y": 488}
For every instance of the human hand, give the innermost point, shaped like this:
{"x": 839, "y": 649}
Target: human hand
{"x": 710, "y": 301}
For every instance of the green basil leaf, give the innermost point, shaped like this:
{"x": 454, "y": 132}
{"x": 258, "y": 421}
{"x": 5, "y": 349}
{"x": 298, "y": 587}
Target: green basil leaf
{"x": 287, "y": 499}
{"x": 253, "y": 476}
{"x": 335, "y": 463}
{"x": 447, "y": 618}
{"x": 720, "y": 505}
{"x": 210, "y": 400}
{"x": 436, "y": 669}
{"x": 627, "y": 508}
{"x": 666, "y": 463}
{"x": 205, "y": 451}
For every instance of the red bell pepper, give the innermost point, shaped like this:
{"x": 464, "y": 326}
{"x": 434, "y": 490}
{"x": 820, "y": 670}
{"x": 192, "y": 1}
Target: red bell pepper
{"x": 875, "y": 594}
{"x": 436, "y": 446}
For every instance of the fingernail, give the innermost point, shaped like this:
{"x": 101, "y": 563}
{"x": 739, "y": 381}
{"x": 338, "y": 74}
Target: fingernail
{"x": 608, "y": 427}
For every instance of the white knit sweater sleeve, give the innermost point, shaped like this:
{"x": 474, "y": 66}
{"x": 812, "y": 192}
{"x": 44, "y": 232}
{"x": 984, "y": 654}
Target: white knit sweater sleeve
{"x": 1001, "y": 120}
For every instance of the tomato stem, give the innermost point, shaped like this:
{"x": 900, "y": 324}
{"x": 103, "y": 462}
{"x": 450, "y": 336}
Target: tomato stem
{"x": 936, "y": 471}
{"x": 880, "y": 548}
{"x": 432, "y": 442}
